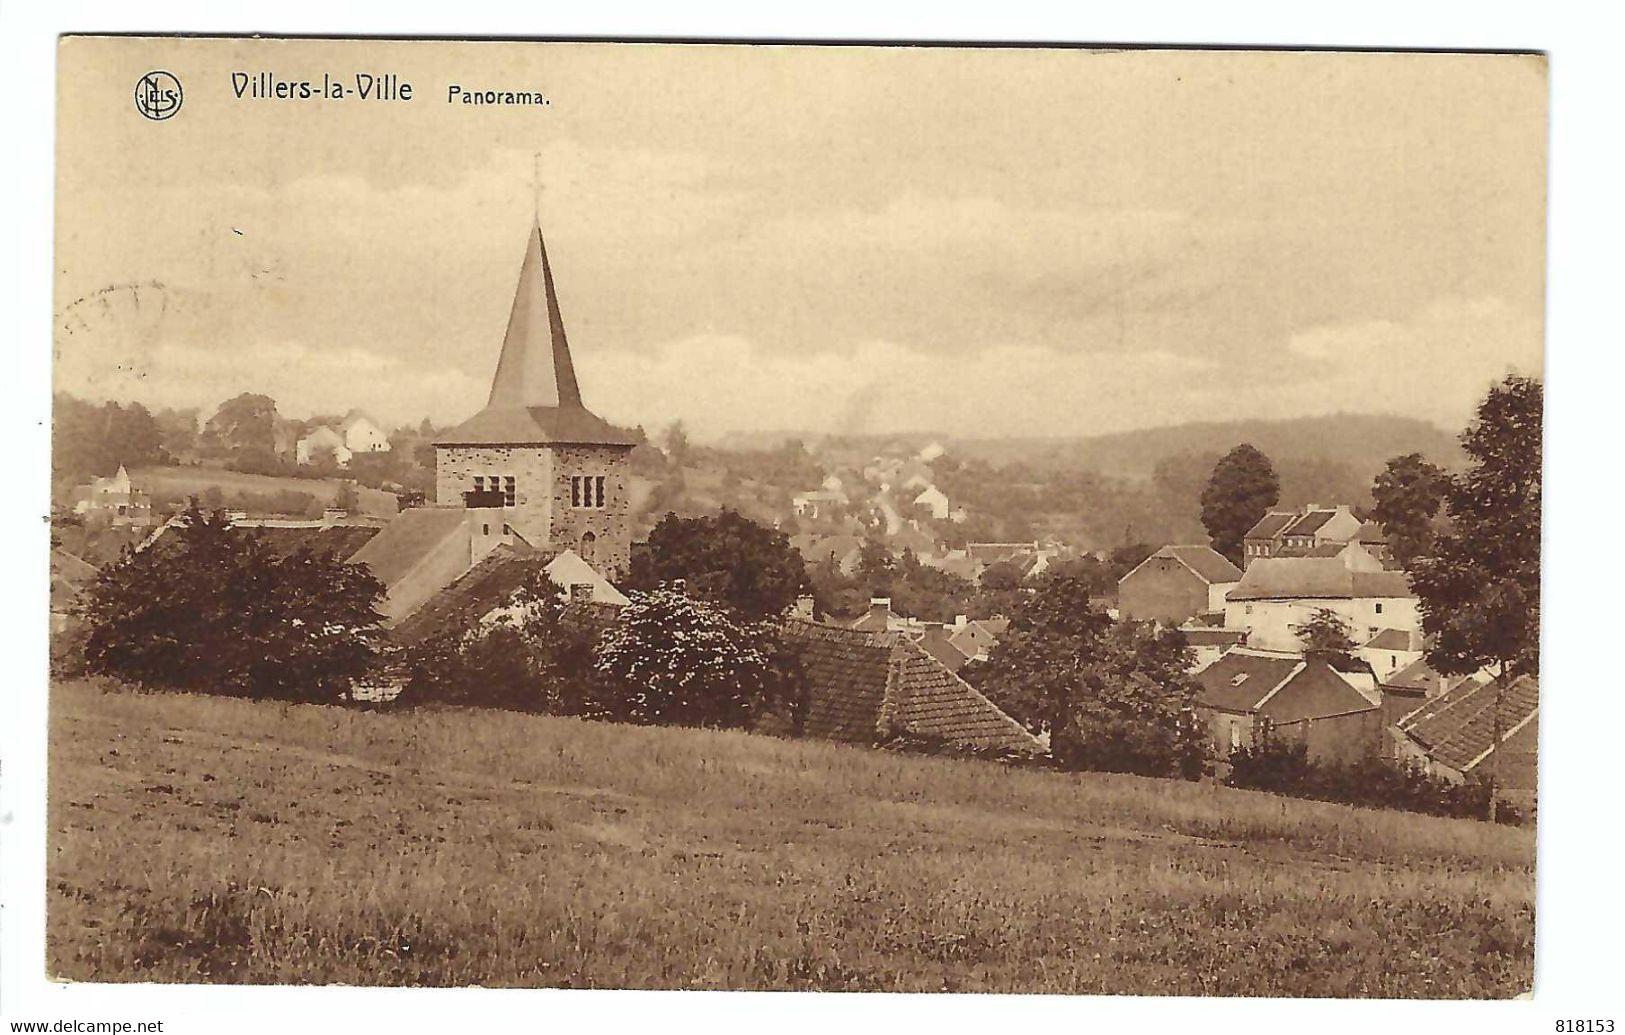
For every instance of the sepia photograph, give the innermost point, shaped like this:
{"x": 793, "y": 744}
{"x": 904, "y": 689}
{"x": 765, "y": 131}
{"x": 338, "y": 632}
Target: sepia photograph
{"x": 796, "y": 517}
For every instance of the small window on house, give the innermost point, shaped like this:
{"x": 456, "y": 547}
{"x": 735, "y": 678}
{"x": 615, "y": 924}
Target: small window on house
{"x": 485, "y": 530}
{"x": 507, "y": 530}
{"x": 479, "y": 483}
{"x": 1379, "y": 609}
{"x": 587, "y": 491}
{"x": 1249, "y": 609}
{"x": 599, "y": 482}
{"x": 1393, "y": 659}
{"x": 508, "y": 491}
{"x": 575, "y": 492}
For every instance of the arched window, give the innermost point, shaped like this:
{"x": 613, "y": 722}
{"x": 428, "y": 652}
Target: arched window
{"x": 588, "y": 543}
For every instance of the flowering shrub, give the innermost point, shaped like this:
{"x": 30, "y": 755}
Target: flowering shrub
{"x": 676, "y": 660}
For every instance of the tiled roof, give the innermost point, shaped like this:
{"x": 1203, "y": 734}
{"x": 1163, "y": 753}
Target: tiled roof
{"x": 1458, "y": 727}
{"x": 1322, "y": 578}
{"x": 535, "y": 425}
{"x": 1310, "y": 523}
{"x": 478, "y": 592}
{"x": 937, "y": 643}
{"x": 1317, "y": 550}
{"x": 875, "y": 686}
{"x": 1284, "y": 688}
{"x": 1269, "y": 526}
{"x": 340, "y": 540}
{"x": 1396, "y": 639}
{"x": 1209, "y": 565}
{"x": 979, "y": 636}
{"x": 1418, "y": 675}
{"x": 1314, "y": 693}
{"x": 1240, "y": 679}
{"x": 405, "y": 541}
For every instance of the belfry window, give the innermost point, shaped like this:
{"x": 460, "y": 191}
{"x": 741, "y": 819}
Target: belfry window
{"x": 479, "y": 483}
{"x": 587, "y": 491}
{"x": 508, "y": 492}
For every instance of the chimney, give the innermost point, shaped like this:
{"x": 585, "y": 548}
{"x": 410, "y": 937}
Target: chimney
{"x": 960, "y": 621}
{"x": 580, "y": 592}
{"x": 880, "y": 607}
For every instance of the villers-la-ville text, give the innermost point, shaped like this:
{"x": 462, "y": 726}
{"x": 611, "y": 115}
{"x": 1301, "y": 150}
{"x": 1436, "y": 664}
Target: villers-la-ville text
{"x": 383, "y": 86}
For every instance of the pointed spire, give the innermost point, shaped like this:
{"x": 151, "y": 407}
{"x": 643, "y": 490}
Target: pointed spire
{"x": 535, "y": 367}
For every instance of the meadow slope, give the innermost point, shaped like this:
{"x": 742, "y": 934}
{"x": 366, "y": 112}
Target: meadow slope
{"x": 200, "y": 839}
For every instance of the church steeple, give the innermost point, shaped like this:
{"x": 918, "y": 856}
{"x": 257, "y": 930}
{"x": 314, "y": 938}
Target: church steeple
{"x": 535, "y": 367}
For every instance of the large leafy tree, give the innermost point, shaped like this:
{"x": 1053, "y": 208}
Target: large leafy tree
{"x": 1479, "y": 583}
{"x": 1242, "y": 489}
{"x": 1113, "y": 696}
{"x": 213, "y": 609}
{"x": 94, "y": 440}
{"x": 673, "y": 659}
{"x": 1408, "y": 492}
{"x": 726, "y": 558}
{"x": 246, "y": 421}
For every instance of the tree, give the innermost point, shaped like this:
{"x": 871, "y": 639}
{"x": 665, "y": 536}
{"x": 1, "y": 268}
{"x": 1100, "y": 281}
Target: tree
{"x": 875, "y": 564}
{"x": 347, "y": 498}
{"x": 530, "y": 659}
{"x": 1242, "y": 489}
{"x": 673, "y": 659}
{"x": 244, "y": 421}
{"x": 1408, "y": 493}
{"x": 1113, "y": 696}
{"x": 90, "y": 440}
{"x": 213, "y": 609}
{"x": 726, "y": 558}
{"x": 1327, "y": 632}
{"x": 677, "y": 446}
{"x": 1479, "y": 583}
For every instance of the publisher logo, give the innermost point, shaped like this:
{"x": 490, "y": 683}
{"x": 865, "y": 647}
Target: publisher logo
{"x": 158, "y": 95}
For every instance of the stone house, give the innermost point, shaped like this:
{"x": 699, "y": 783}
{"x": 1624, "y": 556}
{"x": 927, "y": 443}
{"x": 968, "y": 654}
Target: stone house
{"x": 1175, "y": 584}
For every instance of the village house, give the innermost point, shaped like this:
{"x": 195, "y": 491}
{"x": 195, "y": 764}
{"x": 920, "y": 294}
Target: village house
{"x": 1477, "y": 728}
{"x": 1288, "y": 532}
{"x": 935, "y": 502}
{"x": 1391, "y": 650}
{"x": 356, "y": 433}
{"x": 1175, "y": 584}
{"x": 114, "y": 499}
{"x": 1248, "y": 695}
{"x": 1276, "y": 595}
{"x": 1208, "y": 644}
{"x": 819, "y": 505}
{"x": 871, "y": 687}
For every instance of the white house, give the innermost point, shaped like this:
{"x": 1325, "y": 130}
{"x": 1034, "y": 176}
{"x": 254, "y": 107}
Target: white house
{"x": 933, "y": 499}
{"x": 321, "y": 442}
{"x": 1276, "y": 595}
{"x": 115, "y": 498}
{"x": 362, "y": 434}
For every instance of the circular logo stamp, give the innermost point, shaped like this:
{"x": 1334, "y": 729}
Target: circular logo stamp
{"x": 158, "y": 95}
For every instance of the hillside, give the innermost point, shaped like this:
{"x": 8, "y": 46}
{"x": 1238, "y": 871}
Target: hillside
{"x": 203, "y": 839}
{"x": 1363, "y": 441}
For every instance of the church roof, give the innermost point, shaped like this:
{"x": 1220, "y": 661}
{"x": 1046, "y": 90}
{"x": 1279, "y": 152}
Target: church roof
{"x": 535, "y": 399}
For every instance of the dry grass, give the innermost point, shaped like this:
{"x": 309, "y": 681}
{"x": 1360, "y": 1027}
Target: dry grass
{"x": 198, "y": 839}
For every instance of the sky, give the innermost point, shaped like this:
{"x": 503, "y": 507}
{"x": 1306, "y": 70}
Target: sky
{"x": 753, "y": 238}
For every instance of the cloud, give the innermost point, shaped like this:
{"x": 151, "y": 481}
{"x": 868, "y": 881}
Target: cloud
{"x": 717, "y": 384}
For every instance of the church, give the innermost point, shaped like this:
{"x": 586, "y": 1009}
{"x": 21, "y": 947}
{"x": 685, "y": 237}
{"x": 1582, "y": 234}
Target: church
{"x": 533, "y": 472}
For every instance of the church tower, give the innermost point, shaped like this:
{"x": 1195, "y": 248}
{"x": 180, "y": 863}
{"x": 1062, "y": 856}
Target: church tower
{"x": 558, "y": 472}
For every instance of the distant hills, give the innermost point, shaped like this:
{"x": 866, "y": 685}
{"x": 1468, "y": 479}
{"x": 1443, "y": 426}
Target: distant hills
{"x": 1361, "y": 442}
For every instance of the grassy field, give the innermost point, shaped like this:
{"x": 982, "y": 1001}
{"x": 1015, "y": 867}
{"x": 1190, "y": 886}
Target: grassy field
{"x": 194, "y": 481}
{"x": 199, "y": 839}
